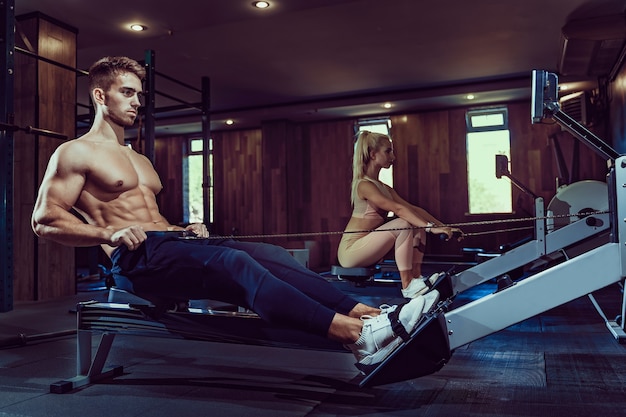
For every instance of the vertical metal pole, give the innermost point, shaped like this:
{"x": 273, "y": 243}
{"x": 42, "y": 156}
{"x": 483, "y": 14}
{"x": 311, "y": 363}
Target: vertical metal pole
{"x": 617, "y": 206}
{"x": 149, "y": 107}
{"x": 7, "y": 69}
{"x": 206, "y": 136}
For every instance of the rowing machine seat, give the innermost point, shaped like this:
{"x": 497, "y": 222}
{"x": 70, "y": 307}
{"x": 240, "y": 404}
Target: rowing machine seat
{"x": 356, "y": 275}
{"x": 120, "y": 296}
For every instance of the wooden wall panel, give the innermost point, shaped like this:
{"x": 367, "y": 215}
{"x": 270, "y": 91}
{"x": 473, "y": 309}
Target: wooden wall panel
{"x": 25, "y": 179}
{"x": 47, "y": 100}
{"x": 298, "y": 155}
{"x": 168, "y": 162}
{"x": 454, "y": 185}
{"x": 330, "y": 153}
{"x": 57, "y": 112}
{"x": 274, "y": 173}
{"x": 287, "y": 183}
{"x": 238, "y": 182}
{"x": 421, "y": 144}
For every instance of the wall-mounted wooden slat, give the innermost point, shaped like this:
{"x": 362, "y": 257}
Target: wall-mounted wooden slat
{"x": 238, "y": 182}
{"x": 47, "y": 100}
{"x": 168, "y": 162}
{"x": 331, "y": 148}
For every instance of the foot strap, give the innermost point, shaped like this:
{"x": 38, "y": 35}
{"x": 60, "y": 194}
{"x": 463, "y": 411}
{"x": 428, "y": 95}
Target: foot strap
{"x": 396, "y": 325}
{"x": 429, "y": 284}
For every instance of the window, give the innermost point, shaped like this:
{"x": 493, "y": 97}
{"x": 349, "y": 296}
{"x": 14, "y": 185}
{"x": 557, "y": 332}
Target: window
{"x": 487, "y": 136}
{"x": 379, "y": 126}
{"x": 193, "y": 195}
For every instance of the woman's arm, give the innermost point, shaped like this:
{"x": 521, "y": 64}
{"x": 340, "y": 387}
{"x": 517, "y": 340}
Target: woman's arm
{"x": 368, "y": 191}
{"x": 437, "y": 225}
{"x": 417, "y": 210}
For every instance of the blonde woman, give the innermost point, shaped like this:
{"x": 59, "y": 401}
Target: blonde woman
{"x": 372, "y": 200}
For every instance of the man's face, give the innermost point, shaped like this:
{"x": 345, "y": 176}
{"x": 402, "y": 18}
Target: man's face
{"x": 122, "y": 100}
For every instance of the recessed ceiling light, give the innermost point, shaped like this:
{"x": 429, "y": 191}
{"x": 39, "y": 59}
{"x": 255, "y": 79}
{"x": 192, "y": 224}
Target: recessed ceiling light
{"x": 470, "y": 97}
{"x": 261, "y": 4}
{"x": 387, "y": 105}
{"x": 230, "y": 122}
{"x": 138, "y": 28}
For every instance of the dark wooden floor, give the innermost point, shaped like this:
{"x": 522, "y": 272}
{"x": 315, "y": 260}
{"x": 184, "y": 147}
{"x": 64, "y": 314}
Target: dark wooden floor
{"x": 563, "y": 362}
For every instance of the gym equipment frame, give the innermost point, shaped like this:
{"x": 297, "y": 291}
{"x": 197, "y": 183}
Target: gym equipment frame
{"x": 575, "y": 277}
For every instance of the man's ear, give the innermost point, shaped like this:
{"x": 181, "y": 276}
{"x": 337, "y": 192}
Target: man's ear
{"x": 98, "y": 95}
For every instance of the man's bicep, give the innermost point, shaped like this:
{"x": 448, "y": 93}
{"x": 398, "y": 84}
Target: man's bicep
{"x": 62, "y": 192}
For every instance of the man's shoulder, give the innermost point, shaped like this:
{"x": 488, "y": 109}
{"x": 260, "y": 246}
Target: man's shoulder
{"x": 73, "y": 146}
{"x": 78, "y": 154}
{"x": 85, "y": 143}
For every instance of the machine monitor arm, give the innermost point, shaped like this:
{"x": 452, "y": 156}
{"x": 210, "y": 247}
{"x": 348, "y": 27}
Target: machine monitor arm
{"x": 545, "y": 104}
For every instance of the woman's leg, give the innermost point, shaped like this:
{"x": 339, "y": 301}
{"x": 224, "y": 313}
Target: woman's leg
{"x": 419, "y": 284}
{"x": 419, "y": 247}
{"x": 370, "y": 248}
{"x": 365, "y": 251}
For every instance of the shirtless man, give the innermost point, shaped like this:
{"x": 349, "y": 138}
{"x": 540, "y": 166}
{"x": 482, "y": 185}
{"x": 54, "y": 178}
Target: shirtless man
{"x": 114, "y": 188}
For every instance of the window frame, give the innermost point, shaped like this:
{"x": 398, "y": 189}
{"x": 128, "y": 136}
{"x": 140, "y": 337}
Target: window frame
{"x": 385, "y": 176}
{"x": 470, "y": 129}
{"x": 504, "y": 111}
{"x": 189, "y": 152}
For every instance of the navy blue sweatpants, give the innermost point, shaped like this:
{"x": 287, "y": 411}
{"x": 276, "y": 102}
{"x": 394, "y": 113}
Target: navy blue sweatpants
{"x": 261, "y": 277}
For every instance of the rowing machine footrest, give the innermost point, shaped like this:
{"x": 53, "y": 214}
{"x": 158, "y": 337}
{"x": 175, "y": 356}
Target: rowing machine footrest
{"x": 425, "y": 353}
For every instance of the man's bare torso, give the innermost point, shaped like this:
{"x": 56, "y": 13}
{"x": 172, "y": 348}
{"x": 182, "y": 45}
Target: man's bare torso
{"x": 120, "y": 187}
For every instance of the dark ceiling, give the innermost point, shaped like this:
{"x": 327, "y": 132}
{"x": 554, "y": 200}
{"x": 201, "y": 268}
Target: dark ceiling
{"x": 320, "y": 59}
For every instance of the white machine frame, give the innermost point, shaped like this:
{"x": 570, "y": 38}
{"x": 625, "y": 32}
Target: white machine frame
{"x": 543, "y": 244}
{"x": 557, "y": 285}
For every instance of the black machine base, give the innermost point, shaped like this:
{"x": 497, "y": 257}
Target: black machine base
{"x": 426, "y": 352}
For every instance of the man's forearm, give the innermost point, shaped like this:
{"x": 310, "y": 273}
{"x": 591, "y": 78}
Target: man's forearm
{"x": 73, "y": 233}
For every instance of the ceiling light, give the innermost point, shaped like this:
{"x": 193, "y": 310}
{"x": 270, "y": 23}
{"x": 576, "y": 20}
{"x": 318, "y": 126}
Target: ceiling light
{"x": 387, "y": 105}
{"x": 230, "y": 122}
{"x": 138, "y": 28}
{"x": 261, "y": 4}
{"x": 470, "y": 97}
